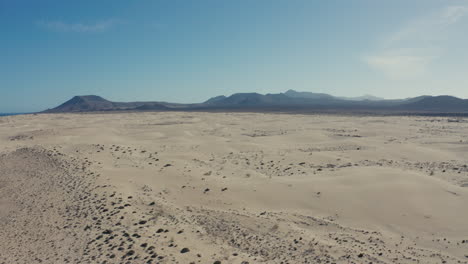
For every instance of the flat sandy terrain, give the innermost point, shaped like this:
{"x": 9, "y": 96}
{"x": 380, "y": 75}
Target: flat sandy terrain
{"x": 233, "y": 188}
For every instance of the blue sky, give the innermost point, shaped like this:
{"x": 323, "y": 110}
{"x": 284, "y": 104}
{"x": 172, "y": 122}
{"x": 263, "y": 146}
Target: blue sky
{"x": 188, "y": 51}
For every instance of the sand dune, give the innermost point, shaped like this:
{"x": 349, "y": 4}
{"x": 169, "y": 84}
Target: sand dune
{"x": 232, "y": 188}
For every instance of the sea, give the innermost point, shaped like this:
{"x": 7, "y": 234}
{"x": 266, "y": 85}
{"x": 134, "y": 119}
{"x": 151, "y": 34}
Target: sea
{"x": 10, "y": 114}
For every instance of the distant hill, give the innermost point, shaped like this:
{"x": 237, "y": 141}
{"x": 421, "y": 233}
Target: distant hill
{"x": 84, "y": 103}
{"x": 93, "y": 103}
{"x": 289, "y": 98}
{"x": 438, "y": 103}
{"x": 308, "y": 95}
{"x": 216, "y": 99}
{"x": 289, "y": 101}
{"x": 250, "y": 99}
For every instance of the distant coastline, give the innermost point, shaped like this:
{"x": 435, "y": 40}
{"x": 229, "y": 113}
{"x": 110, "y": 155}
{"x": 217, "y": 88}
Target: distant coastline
{"x": 11, "y": 114}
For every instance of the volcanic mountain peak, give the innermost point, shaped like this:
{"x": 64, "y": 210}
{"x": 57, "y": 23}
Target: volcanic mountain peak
{"x": 84, "y": 103}
{"x": 94, "y": 98}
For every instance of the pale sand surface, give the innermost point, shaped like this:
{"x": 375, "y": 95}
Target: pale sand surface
{"x": 233, "y": 188}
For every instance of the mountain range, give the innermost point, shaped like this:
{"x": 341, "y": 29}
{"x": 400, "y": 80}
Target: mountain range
{"x": 289, "y": 101}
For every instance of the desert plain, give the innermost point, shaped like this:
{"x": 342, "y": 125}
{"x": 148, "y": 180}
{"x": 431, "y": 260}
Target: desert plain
{"x": 184, "y": 187}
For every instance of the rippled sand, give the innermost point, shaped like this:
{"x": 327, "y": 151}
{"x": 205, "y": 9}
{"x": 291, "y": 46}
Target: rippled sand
{"x": 233, "y": 188}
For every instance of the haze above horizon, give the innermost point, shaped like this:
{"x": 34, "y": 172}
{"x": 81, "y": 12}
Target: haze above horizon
{"x": 189, "y": 51}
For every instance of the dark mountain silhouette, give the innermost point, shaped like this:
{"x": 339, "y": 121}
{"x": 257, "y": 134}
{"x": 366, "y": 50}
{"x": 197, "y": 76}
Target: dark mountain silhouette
{"x": 438, "y": 103}
{"x": 93, "y": 103}
{"x": 309, "y": 95}
{"x": 215, "y": 99}
{"x": 290, "y": 101}
{"x": 250, "y": 99}
{"x": 290, "y": 98}
{"x": 85, "y": 103}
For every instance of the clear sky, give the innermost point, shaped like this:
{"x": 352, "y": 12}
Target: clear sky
{"x": 190, "y": 50}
